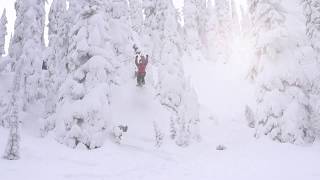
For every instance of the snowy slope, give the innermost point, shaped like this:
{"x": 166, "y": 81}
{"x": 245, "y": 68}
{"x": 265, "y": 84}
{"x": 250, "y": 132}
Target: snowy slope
{"x": 245, "y": 158}
{"x": 138, "y": 159}
{"x": 138, "y": 107}
{"x": 223, "y": 91}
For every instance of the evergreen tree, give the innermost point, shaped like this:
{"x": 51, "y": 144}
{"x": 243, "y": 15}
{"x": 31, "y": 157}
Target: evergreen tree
{"x": 3, "y": 31}
{"x": 121, "y": 28}
{"x": 57, "y": 50}
{"x": 175, "y": 92}
{"x": 235, "y": 20}
{"x": 27, "y": 45}
{"x": 75, "y": 8}
{"x": 201, "y": 6}
{"x": 245, "y": 21}
{"x": 152, "y": 28}
{"x": 221, "y": 35}
{"x": 58, "y": 40}
{"x": 312, "y": 12}
{"x": 136, "y": 15}
{"x": 55, "y": 63}
{"x": 82, "y": 116}
{"x": 13, "y": 145}
{"x": 192, "y": 29}
{"x": 211, "y": 32}
{"x": 284, "y": 109}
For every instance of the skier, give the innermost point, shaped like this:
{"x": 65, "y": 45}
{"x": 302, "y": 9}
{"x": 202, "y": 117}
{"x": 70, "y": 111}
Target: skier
{"x": 142, "y": 64}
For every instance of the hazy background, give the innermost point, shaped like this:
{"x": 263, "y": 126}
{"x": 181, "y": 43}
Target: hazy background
{"x": 9, "y": 5}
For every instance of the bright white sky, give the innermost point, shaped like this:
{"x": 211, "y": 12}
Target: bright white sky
{"x": 9, "y": 5}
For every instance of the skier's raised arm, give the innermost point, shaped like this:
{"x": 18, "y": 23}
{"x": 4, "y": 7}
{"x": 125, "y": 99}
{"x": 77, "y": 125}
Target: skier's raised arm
{"x": 147, "y": 59}
{"x": 136, "y": 60}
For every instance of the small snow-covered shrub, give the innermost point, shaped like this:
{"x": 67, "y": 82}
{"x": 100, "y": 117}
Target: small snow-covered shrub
{"x": 159, "y": 136}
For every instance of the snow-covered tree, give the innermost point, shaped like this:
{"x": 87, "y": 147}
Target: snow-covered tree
{"x": 235, "y": 20}
{"x": 201, "y": 6}
{"x": 56, "y": 52}
{"x": 75, "y": 8}
{"x": 192, "y": 29}
{"x": 265, "y": 24}
{"x": 245, "y": 21}
{"x": 3, "y": 31}
{"x": 312, "y": 12}
{"x": 58, "y": 32}
{"x": 220, "y": 36}
{"x": 13, "y": 145}
{"x": 136, "y": 15}
{"x": 174, "y": 90}
{"x": 283, "y": 72}
{"x": 82, "y": 116}
{"x": 121, "y": 30}
{"x": 152, "y": 28}
{"x": 211, "y": 32}
{"x": 28, "y": 44}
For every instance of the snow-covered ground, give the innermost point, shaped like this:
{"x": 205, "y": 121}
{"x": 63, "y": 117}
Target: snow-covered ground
{"x": 138, "y": 159}
{"x": 245, "y": 158}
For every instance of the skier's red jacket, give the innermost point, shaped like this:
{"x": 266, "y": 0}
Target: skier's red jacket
{"x": 141, "y": 65}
